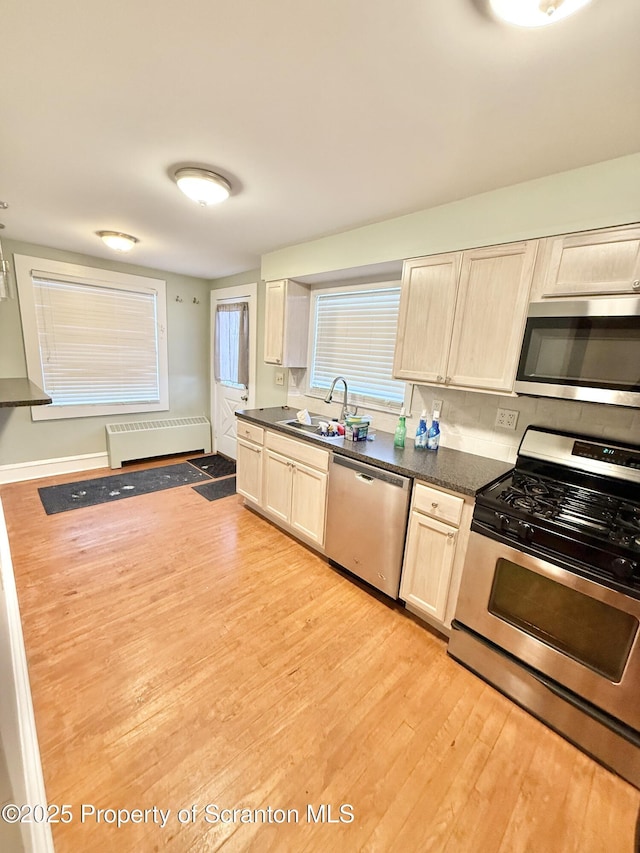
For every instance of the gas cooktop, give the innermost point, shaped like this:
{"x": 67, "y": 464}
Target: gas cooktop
{"x": 572, "y": 497}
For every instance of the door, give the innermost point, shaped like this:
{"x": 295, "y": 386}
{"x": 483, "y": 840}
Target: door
{"x": 274, "y": 321}
{"x": 490, "y": 315}
{"x": 249, "y": 474}
{"x": 428, "y": 565}
{"x": 308, "y": 502}
{"x": 233, "y": 361}
{"x": 278, "y": 484}
{"x": 425, "y": 321}
{"x": 582, "y": 635}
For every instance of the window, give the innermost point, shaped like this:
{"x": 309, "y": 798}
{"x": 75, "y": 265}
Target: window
{"x": 95, "y": 339}
{"x": 353, "y": 335}
{"x": 231, "y": 350}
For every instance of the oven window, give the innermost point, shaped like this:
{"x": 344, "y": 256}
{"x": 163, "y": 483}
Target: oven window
{"x": 600, "y": 352}
{"x": 593, "y": 633}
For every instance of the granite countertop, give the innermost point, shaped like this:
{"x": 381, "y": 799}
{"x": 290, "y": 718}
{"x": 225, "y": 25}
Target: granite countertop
{"x": 452, "y": 469}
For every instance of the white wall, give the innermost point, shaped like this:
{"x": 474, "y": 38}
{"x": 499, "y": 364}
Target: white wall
{"x": 592, "y": 197}
{"x": 23, "y": 441}
{"x": 468, "y": 418}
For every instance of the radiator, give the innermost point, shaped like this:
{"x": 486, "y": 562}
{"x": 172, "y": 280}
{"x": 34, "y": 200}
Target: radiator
{"x": 145, "y": 439}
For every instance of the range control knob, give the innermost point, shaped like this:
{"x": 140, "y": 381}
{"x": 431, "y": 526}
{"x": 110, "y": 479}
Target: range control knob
{"x": 624, "y": 569}
{"x": 502, "y": 521}
{"x": 525, "y": 531}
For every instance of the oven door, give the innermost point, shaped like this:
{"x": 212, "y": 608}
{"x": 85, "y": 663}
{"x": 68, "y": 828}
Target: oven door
{"x": 581, "y": 634}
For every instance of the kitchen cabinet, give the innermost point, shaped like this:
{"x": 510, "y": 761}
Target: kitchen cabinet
{"x": 295, "y": 486}
{"x": 286, "y": 323}
{"x": 249, "y": 456}
{"x": 589, "y": 263}
{"x": 462, "y": 317}
{"x": 439, "y": 524}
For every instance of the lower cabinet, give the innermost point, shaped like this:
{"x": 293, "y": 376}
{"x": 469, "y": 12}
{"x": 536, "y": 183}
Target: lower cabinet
{"x": 249, "y": 453}
{"x": 436, "y": 544}
{"x": 296, "y": 494}
{"x": 285, "y": 478}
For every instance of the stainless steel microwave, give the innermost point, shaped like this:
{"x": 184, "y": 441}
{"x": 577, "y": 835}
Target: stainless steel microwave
{"x": 582, "y": 350}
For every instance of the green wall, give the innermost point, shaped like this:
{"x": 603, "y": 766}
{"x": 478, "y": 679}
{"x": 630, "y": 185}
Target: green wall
{"x": 22, "y": 440}
{"x": 596, "y": 196}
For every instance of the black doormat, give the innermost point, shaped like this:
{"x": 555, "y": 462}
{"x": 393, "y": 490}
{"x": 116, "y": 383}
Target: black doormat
{"x": 221, "y": 489}
{"x": 215, "y": 466}
{"x": 118, "y": 486}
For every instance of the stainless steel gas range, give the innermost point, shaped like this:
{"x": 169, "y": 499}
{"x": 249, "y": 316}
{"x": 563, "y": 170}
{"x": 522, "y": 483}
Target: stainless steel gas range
{"x": 549, "y": 603}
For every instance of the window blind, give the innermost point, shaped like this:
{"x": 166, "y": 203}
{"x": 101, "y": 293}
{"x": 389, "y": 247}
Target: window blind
{"x": 354, "y": 336}
{"x": 98, "y": 344}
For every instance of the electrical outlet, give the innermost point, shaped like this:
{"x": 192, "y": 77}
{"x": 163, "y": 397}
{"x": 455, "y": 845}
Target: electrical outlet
{"x": 279, "y": 378}
{"x": 507, "y": 418}
{"x": 437, "y": 406}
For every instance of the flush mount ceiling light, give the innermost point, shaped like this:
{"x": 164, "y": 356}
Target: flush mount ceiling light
{"x": 117, "y": 241}
{"x": 201, "y": 185}
{"x": 535, "y": 13}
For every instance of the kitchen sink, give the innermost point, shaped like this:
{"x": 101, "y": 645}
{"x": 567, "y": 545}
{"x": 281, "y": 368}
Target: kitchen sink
{"x": 312, "y": 429}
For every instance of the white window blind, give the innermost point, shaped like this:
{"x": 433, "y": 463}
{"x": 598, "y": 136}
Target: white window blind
{"x": 354, "y": 337}
{"x": 98, "y": 344}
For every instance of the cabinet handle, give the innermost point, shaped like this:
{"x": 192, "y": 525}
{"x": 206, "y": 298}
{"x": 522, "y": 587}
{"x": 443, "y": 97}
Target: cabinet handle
{"x": 439, "y": 378}
{"x": 636, "y": 284}
{"x": 447, "y": 380}
{"x": 451, "y": 535}
{"x": 434, "y": 504}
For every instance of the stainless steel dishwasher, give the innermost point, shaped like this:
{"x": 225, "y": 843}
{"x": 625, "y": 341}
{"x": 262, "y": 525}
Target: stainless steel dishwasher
{"x": 367, "y": 521}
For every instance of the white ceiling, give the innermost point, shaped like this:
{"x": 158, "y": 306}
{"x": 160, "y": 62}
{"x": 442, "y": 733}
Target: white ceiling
{"x": 323, "y": 115}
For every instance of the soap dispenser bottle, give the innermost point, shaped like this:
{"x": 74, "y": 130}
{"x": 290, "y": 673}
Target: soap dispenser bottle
{"x": 401, "y": 430}
{"x": 433, "y": 436}
{"x": 421, "y": 432}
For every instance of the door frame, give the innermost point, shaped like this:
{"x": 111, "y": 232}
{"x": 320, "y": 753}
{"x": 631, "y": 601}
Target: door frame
{"x": 248, "y": 293}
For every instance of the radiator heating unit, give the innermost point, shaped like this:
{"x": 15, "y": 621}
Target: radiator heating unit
{"x": 146, "y": 439}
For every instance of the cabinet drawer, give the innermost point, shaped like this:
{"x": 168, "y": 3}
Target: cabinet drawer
{"x": 298, "y": 450}
{"x": 438, "y": 504}
{"x": 250, "y": 432}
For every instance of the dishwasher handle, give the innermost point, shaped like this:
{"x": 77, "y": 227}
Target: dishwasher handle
{"x": 368, "y": 473}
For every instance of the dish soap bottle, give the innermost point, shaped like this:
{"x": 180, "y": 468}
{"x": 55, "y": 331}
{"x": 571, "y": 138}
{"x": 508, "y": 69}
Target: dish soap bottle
{"x": 433, "y": 436}
{"x": 421, "y": 432}
{"x": 401, "y": 430}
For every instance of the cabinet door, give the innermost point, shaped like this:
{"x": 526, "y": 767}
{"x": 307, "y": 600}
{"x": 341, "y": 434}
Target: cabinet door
{"x": 308, "y": 503}
{"x": 428, "y": 564}
{"x": 593, "y": 262}
{"x": 493, "y": 296}
{"x": 276, "y": 292}
{"x": 425, "y": 320}
{"x": 278, "y": 478}
{"x": 249, "y": 470}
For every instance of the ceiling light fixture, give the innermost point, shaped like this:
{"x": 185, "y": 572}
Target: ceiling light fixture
{"x": 117, "y": 241}
{"x": 201, "y": 185}
{"x": 535, "y": 13}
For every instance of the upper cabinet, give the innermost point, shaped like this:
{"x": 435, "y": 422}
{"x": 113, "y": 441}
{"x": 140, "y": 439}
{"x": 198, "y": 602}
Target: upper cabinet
{"x": 462, "y": 317}
{"x": 591, "y": 263}
{"x": 286, "y": 323}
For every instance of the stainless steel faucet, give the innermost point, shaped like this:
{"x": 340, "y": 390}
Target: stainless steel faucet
{"x": 329, "y": 396}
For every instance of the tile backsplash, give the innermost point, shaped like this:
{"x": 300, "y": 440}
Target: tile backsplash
{"x": 468, "y": 419}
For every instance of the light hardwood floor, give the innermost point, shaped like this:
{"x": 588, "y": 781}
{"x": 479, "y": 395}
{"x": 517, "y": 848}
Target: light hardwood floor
{"x": 184, "y": 652}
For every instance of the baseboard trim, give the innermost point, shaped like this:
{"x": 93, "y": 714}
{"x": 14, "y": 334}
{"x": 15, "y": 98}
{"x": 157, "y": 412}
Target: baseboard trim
{"x": 17, "y": 721}
{"x": 50, "y": 467}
